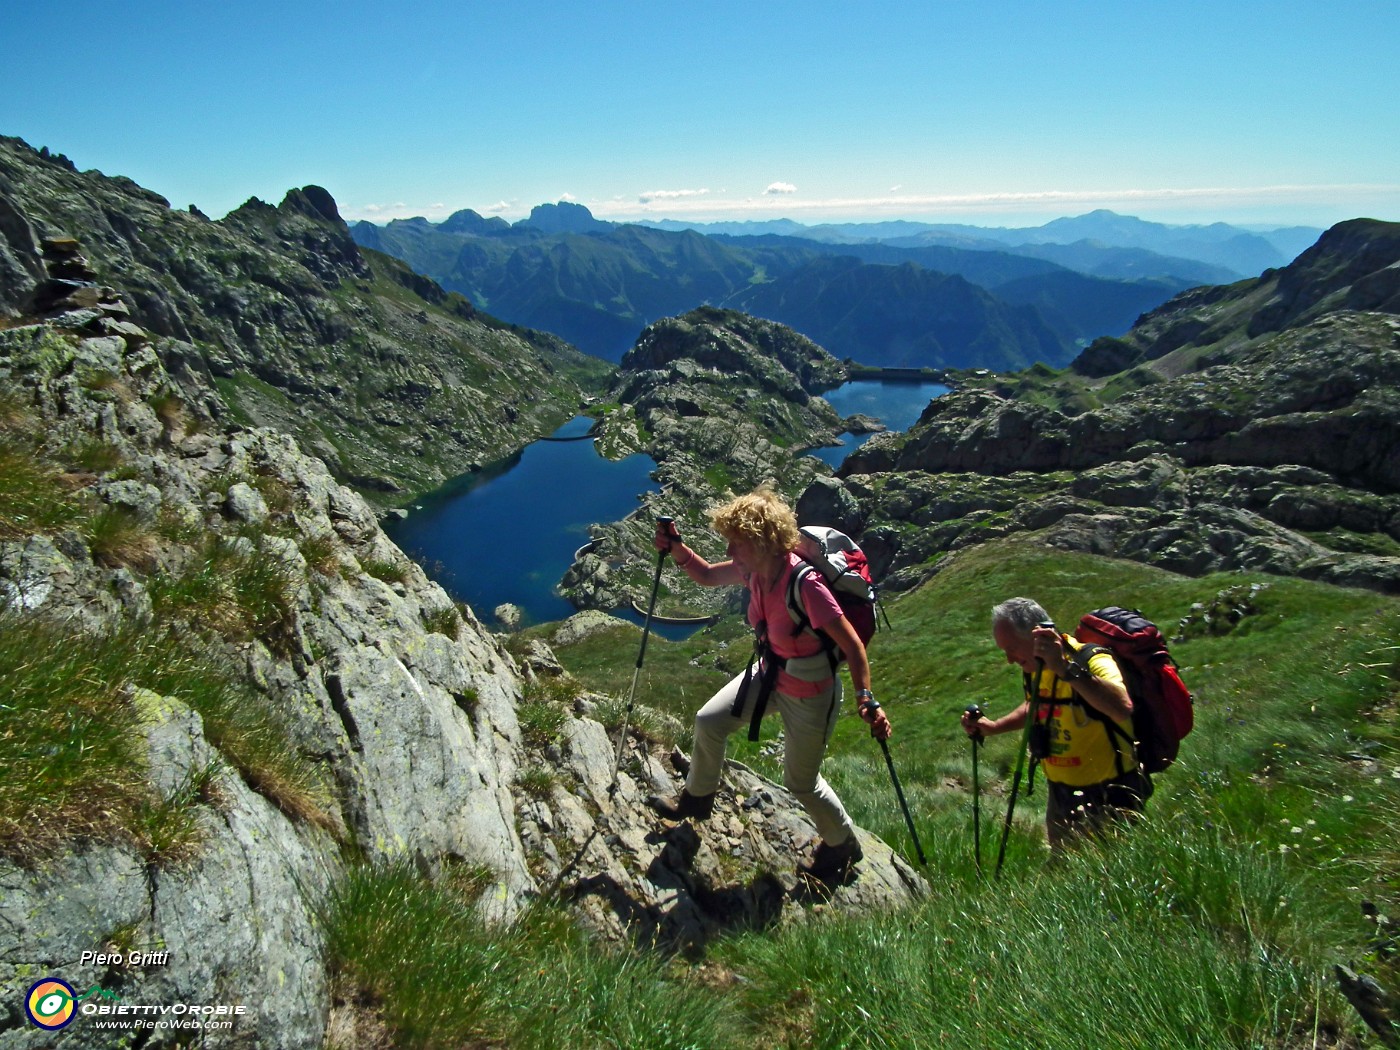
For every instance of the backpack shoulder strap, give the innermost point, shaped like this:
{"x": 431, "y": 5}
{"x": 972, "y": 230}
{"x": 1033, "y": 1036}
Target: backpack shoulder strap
{"x": 796, "y": 608}
{"x": 1086, "y": 652}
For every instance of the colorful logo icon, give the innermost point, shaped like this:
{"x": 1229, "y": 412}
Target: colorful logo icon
{"x": 51, "y": 1003}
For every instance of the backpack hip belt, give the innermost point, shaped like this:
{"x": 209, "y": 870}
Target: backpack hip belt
{"x": 764, "y": 665}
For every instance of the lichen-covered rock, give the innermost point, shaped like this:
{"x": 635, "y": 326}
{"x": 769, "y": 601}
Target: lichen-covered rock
{"x": 235, "y": 926}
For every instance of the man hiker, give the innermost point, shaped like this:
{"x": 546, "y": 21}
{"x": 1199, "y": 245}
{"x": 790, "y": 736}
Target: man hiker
{"x": 761, "y": 532}
{"x": 1082, "y": 732}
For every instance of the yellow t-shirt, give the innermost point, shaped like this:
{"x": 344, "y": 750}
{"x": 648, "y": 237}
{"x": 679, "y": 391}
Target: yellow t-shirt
{"x": 1083, "y": 751}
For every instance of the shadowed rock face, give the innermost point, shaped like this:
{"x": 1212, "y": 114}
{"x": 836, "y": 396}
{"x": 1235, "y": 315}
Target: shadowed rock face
{"x": 1274, "y": 448}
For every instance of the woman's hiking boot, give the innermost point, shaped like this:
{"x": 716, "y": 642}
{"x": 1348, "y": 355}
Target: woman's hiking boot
{"x": 832, "y": 863}
{"x": 683, "y": 806}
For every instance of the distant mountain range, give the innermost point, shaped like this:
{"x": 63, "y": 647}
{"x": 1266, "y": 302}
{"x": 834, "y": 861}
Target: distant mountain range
{"x": 1104, "y": 243}
{"x": 890, "y": 294}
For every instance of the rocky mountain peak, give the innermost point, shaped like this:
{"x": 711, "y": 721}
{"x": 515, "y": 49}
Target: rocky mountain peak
{"x": 470, "y": 222}
{"x": 729, "y": 342}
{"x": 1355, "y": 265}
{"x": 314, "y": 202}
{"x": 564, "y": 217}
{"x": 304, "y": 331}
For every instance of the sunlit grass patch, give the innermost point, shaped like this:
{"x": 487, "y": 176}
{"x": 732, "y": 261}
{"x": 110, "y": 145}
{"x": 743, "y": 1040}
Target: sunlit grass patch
{"x": 74, "y": 766}
{"x": 251, "y": 735}
{"x": 441, "y": 977}
{"x": 1121, "y": 946}
{"x": 36, "y": 495}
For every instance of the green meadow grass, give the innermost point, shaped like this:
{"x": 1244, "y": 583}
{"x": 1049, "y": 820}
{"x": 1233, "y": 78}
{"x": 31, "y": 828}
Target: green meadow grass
{"x": 75, "y": 760}
{"x": 1215, "y": 923}
{"x": 439, "y": 977}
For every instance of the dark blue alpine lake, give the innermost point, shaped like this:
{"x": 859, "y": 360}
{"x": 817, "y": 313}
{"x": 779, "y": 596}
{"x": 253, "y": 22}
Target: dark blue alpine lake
{"x": 508, "y": 533}
{"x": 895, "y": 402}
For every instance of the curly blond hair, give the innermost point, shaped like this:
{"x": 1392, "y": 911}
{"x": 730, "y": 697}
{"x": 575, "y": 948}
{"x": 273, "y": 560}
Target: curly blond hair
{"x": 762, "y": 517}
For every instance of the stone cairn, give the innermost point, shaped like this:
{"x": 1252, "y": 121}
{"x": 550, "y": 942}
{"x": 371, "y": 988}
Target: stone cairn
{"x": 71, "y": 297}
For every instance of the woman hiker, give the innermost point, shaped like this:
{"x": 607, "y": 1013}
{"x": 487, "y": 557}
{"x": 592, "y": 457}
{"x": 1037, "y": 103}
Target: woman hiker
{"x": 761, "y": 531}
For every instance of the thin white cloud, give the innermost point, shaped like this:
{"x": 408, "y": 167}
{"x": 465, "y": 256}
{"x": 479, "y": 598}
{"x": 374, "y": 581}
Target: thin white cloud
{"x": 669, "y": 195}
{"x": 498, "y": 207}
{"x": 567, "y": 197}
{"x": 682, "y": 203}
{"x": 780, "y": 187}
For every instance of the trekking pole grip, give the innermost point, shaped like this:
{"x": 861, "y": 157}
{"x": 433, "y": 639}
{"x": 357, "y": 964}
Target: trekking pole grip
{"x": 975, "y": 712}
{"x": 667, "y": 525}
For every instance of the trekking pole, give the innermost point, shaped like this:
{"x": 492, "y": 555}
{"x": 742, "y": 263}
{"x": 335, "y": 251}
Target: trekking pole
{"x": 1020, "y": 764}
{"x": 564, "y": 872}
{"x": 641, "y": 655}
{"x": 899, "y": 794}
{"x": 975, "y": 712}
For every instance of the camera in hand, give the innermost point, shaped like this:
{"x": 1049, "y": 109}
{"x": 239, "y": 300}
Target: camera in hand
{"x": 1039, "y": 742}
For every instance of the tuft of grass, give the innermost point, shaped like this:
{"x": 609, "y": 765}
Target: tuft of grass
{"x": 93, "y": 455}
{"x": 276, "y": 493}
{"x": 170, "y": 409}
{"x": 444, "y": 621}
{"x": 35, "y": 494}
{"x": 321, "y": 553}
{"x": 105, "y": 381}
{"x": 73, "y": 766}
{"x": 652, "y": 726}
{"x": 186, "y": 529}
{"x": 172, "y": 829}
{"x": 541, "y": 722}
{"x": 118, "y": 536}
{"x": 443, "y": 978}
{"x": 252, "y": 736}
{"x": 389, "y": 570}
{"x": 537, "y": 781}
{"x": 233, "y": 589}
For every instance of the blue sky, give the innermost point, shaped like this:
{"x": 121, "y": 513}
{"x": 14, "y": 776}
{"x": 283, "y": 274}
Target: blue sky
{"x": 991, "y": 113}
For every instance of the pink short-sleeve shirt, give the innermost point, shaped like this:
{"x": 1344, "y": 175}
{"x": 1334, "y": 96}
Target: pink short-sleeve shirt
{"x": 769, "y": 605}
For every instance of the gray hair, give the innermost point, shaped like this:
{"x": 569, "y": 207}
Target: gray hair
{"x": 1020, "y": 614}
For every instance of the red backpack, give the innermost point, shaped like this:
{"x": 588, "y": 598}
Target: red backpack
{"x": 1163, "y": 711}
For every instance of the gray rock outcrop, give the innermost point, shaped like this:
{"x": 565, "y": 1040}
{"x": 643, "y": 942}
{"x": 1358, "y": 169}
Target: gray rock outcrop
{"x": 1284, "y": 457}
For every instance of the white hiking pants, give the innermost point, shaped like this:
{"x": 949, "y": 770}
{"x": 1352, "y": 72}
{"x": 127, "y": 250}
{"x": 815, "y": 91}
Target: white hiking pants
{"x": 807, "y": 726}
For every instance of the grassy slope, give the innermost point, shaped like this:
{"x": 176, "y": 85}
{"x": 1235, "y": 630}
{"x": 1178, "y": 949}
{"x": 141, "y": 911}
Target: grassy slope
{"x": 1216, "y": 924}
